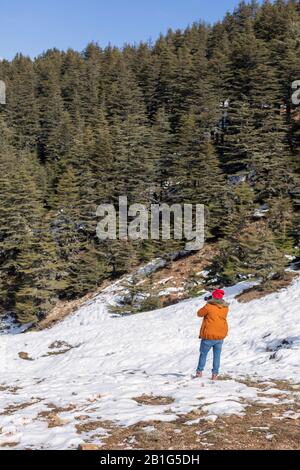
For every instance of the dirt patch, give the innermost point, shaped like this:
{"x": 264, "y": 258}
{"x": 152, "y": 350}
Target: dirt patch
{"x": 93, "y": 426}
{"x": 180, "y": 270}
{"x": 274, "y": 286}
{"x": 61, "y": 409}
{"x": 153, "y": 400}
{"x": 82, "y": 417}
{"x": 56, "y": 353}
{"x": 283, "y": 385}
{"x": 9, "y": 444}
{"x": 11, "y": 409}
{"x": 52, "y": 419}
{"x": 12, "y": 390}
{"x": 51, "y": 415}
{"x": 61, "y": 347}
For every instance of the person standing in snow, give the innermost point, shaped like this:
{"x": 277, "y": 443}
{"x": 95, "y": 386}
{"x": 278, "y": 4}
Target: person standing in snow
{"x": 214, "y": 329}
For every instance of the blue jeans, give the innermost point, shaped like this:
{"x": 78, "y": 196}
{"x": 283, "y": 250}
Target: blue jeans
{"x": 205, "y": 346}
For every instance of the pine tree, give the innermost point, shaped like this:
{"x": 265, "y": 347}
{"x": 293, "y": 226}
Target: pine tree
{"x": 197, "y": 163}
{"x": 93, "y": 95}
{"x": 72, "y": 85}
{"x": 22, "y": 113}
{"x": 162, "y": 156}
{"x": 66, "y": 225}
{"x": 165, "y": 90}
{"x": 90, "y": 269}
{"x": 252, "y": 254}
{"x": 280, "y": 217}
{"x": 238, "y": 144}
{"x": 52, "y": 117}
{"x": 103, "y": 161}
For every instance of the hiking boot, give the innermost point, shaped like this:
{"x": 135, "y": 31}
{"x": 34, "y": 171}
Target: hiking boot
{"x": 198, "y": 373}
{"x": 214, "y": 377}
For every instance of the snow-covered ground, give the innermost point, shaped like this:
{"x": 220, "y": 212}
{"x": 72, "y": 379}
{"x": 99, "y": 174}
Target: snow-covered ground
{"x": 94, "y": 364}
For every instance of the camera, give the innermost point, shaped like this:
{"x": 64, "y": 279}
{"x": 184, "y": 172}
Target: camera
{"x": 208, "y": 297}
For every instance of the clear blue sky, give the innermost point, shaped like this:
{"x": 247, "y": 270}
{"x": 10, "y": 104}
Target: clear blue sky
{"x": 32, "y": 26}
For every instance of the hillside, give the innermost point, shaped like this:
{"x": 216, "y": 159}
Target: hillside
{"x": 203, "y": 115}
{"x": 97, "y": 375}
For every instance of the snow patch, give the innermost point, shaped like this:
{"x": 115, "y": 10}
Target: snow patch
{"x": 119, "y": 359}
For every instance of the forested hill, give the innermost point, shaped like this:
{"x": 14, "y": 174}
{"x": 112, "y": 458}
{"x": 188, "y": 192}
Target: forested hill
{"x": 202, "y": 115}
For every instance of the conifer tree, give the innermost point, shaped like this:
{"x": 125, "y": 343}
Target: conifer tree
{"x": 66, "y": 224}
{"x": 252, "y": 254}
{"x": 22, "y": 112}
{"x": 52, "y": 117}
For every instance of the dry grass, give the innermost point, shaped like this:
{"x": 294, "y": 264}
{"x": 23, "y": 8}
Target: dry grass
{"x": 179, "y": 271}
{"x": 51, "y": 414}
{"x": 12, "y": 390}
{"x": 9, "y": 444}
{"x": 61, "y": 409}
{"x": 259, "y": 428}
{"x": 65, "y": 347}
{"x": 261, "y": 291}
{"x": 262, "y": 427}
{"x": 52, "y": 419}
{"x": 284, "y": 385}
{"x": 89, "y": 426}
{"x": 153, "y": 400}
{"x": 11, "y": 409}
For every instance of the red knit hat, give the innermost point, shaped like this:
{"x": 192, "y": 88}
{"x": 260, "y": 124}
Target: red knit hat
{"x": 218, "y": 294}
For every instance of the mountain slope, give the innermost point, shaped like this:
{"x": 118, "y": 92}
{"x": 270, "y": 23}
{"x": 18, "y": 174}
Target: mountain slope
{"x": 99, "y": 366}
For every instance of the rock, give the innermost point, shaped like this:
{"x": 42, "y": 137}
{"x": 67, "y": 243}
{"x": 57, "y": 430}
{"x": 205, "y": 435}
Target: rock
{"x": 88, "y": 447}
{"x": 24, "y": 355}
{"x": 54, "y": 420}
{"x": 81, "y": 417}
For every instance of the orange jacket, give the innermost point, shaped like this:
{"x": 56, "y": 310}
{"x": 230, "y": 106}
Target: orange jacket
{"x": 214, "y": 325}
